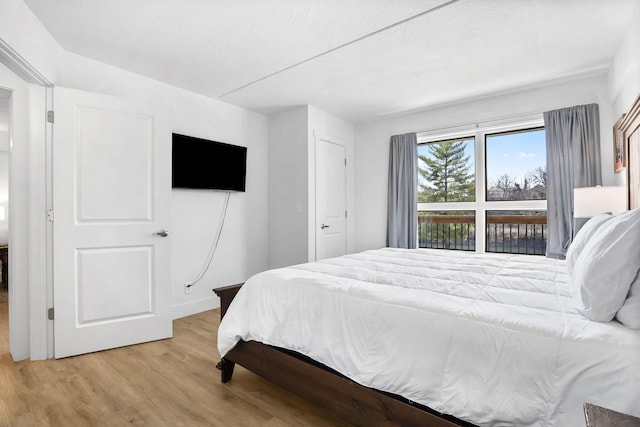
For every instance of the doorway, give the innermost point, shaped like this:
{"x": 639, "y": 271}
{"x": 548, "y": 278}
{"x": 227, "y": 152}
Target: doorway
{"x": 25, "y": 94}
{"x": 4, "y": 220}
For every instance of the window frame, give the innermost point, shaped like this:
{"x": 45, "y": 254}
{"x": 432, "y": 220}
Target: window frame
{"x": 474, "y": 160}
{"x": 478, "y": 131}
{"x": 508, "y": 132}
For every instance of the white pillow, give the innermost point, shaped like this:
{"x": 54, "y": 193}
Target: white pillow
{"x": 607, "y": 265}
{"x": 584, "y": 234}
{"x": 629, "y": 313}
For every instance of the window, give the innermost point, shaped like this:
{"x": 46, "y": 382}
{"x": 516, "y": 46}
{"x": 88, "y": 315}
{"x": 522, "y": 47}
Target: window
{"x": 446, "y": 171}
{"x": 484, "y": 190}
{"x": 516, "y": 165}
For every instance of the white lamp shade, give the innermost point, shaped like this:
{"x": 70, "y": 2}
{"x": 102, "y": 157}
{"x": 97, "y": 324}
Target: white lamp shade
{"x": 590, "y": 201}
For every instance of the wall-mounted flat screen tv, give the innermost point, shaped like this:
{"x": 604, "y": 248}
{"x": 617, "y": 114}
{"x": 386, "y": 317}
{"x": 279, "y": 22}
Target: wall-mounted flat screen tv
{"x": 207, "y": 165}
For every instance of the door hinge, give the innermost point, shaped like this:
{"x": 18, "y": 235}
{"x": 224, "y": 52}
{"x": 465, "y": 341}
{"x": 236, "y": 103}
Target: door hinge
{"x": 345, "y": 214}
{"x": 345, "y": 162}
{"x": 50, "y": 215}
{"x": 50, "y": 313}
{"x": 50, "y": 116}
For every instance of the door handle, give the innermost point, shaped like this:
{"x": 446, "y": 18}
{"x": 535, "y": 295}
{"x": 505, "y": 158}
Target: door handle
{"x": 323, "y": 226}
{"x": 162, "y": 233}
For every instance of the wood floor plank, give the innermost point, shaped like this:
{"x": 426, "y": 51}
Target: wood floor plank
{"x": 4, "y": 321}
{"x": 163, "y": 383}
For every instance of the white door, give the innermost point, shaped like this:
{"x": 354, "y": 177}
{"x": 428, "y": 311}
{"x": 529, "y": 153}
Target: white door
{"x": 331, "y": 210}
{"x": 111, "y": 198}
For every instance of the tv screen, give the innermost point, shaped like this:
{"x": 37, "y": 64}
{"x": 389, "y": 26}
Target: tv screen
{"x": 207, "y": 165}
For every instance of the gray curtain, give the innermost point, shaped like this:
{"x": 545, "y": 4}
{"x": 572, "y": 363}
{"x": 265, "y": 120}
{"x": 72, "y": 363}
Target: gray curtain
{"x": 402, "y": 226}
{"x": 573, "y": 160}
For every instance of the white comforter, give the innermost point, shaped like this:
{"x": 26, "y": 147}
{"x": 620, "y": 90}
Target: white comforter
{"x": 491, "y": 339}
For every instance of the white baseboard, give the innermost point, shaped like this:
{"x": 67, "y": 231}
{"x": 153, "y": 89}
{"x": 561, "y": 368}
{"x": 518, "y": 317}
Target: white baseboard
{"x": 195, "y": 307}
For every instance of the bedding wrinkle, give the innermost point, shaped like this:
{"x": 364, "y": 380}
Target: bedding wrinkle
{"x": 440, "y": 401}
{"x": 465, "y": 285}
{"x": 555, "y": 374}
{"x": 497, "y": 343}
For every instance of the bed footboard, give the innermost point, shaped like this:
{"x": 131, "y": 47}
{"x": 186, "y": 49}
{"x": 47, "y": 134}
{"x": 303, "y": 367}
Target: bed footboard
{"x": 324, "y": 387}
{"x": 334, "y": 392}
{"x": 226, "y": 294}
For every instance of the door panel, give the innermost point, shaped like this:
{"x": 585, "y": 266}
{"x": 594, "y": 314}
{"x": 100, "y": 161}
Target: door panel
{"x": 330, "y": 199}
{"x": 99, "y": 294}
{"x": 108, "y": 140}
{"x": 111, "y": 195}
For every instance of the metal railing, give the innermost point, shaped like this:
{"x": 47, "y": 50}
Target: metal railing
{"x": 447, "y": 232}
{"x": 516, "y": 234}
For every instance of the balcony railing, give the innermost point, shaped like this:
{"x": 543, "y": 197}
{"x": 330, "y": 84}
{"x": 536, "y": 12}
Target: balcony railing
{"x": 447, "y": 232}
{"x": 515, "y": 234}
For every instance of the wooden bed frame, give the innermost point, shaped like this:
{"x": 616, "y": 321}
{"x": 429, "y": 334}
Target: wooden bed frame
{"x": 323, "y": 386}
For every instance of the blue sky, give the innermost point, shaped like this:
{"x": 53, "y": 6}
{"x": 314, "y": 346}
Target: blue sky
{"x": 515, "y": 154}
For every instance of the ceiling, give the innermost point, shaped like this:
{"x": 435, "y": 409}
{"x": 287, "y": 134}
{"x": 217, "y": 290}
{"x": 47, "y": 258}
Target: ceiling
{"x": 358, "y": 59}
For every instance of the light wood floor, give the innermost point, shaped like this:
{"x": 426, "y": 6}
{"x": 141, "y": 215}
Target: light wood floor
{"x": 4, "y": 322}
{"x": 165, "y": 383}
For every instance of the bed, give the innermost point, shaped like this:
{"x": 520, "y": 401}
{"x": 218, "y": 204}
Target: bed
{"x": 440, "y": 338}
{"x": 490, "y": 338}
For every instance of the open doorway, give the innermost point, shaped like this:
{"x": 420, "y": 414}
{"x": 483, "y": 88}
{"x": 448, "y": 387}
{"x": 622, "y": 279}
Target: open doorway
{"x": 26, "y": 96}
{"x": 4, "y": 220}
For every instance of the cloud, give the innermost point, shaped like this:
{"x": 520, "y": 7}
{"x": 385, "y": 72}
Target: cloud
{"x": 523, "y": 154}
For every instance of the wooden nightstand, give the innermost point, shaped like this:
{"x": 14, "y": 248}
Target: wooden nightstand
{"x": 597, "y": 416}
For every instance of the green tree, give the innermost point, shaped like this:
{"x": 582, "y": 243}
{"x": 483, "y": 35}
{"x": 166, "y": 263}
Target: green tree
{"x": 446, "y": 173}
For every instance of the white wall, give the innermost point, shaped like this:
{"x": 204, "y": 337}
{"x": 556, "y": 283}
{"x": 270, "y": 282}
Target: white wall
{"x": 372, "y": 140}
{"x": 288, "y": 187}
{"x": 624, "y": 76}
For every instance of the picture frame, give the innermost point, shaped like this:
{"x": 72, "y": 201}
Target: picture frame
{"x": 619, "y": 147}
